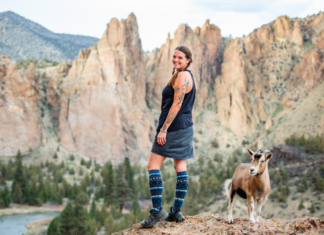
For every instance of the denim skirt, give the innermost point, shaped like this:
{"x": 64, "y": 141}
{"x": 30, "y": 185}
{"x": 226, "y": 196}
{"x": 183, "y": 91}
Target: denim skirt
{"x": 178, "y": 144}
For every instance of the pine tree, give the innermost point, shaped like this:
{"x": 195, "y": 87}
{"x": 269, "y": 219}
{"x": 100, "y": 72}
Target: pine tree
{"x": 312, "y": 209}
{"x": 82, "y": 162}
{"x": 66, "y": 224}
{"x": 93, "y": 209}
{"x": 135, "y": 208}
{"x": 103, "y": 214}
{"x": 17, "y": 196}
{"x": 9, "y": 170}
{"x": 72, "y": 158}
{"x": 55, "y": 156}
{"x": 53, "y": 228}
{"x": 66, "y": 187}
{"x": 80, "y": 220}
{"x": 129, "y": 173}
{"x": 5, "y": 196}
{"x": 62, "y": 165}
{"x": 109, "y": 183}
{"x": 93, "y": 227}
{"x": 75, "y": 190}
{"x": 59, "y": 199}
{"x": 19, "y": 180}
{"x": 301, "y": 205}
{"x": 109, "y": 223}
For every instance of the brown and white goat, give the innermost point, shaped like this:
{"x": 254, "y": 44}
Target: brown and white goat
{"x": 251, "y": 181}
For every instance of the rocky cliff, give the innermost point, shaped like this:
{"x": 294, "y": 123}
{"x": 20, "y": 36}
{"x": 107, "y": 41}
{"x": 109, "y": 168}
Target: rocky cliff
{"x": 208, "y": 223}
{"x": 105, "y": 104}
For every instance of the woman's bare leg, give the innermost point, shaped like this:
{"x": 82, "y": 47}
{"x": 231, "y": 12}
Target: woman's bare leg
{"x": 180, "y": 165}
{"x": 155, "y": 162}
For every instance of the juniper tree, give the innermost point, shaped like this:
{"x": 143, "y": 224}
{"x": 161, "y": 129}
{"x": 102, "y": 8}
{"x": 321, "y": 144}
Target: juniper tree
{"x": 103, "y": 214}
{"x": 129, "y": 173}
{"x": 19, "y": 179}
{"x": 5, "y": 196}
{"x": 93, "y": 209}
{"x": 53, "y": 228}
{"x": 17, "y": 196}
{"x": 66, "y": 223}
{"x": 80, "y": 220}
{"x": 55, "y": 156}
{"x": 109, "y": 184}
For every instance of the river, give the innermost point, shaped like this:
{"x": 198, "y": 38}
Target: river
{"x": 16, "y": 224}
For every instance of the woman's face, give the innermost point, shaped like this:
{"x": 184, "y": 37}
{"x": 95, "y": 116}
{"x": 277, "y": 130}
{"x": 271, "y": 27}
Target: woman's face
{"x": 179, "y": 60}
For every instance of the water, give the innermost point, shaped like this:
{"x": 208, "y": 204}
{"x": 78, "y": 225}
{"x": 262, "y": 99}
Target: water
{"x": 16, "y": 224}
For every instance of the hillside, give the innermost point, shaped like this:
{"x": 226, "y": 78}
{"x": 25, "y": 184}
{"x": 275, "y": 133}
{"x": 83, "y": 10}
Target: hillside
{"x": 21, "y": 39}
{"x": 208, "y": 223}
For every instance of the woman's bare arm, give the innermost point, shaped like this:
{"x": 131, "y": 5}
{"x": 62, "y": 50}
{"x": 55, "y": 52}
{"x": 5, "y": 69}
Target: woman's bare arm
{"x": 180, "y": 88}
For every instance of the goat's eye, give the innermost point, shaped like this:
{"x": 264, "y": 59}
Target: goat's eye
{"x": 262, "y": 161}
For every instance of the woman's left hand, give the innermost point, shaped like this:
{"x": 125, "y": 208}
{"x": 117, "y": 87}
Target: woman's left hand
{"x": 161, "y": 138}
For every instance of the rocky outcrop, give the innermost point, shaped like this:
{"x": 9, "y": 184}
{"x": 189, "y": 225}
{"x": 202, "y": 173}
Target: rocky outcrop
{"x": 208, "y": 223}
{"x": 105, "y": 104}
{"x": 19, "y": 119}
{"x": 103, "y": 114}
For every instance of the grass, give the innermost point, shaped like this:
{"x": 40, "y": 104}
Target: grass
{"x": 278, "y": 110}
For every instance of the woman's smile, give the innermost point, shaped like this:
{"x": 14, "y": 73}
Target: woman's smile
{"x": 179, "y": 60}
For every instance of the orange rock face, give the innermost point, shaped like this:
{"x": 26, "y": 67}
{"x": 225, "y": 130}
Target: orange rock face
{"x": 103, "y": 114}
{"x": 19, "y": 119}
{"x": 105, "y": 104}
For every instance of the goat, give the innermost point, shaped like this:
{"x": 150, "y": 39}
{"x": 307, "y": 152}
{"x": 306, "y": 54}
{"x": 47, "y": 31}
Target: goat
{"x": 251, "y": 181}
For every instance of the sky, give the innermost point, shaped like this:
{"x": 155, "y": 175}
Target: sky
{"x": 158, "y": 18}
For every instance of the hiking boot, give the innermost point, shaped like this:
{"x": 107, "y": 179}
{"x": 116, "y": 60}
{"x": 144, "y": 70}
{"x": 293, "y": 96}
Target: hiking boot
{"x": 175, "y": 216}
{"x": 154, "y": 218}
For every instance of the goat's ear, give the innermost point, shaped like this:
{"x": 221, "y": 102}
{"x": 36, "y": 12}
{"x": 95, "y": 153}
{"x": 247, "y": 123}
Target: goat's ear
{"x": 250, "y": 151}
{"x": 268, "y": 154}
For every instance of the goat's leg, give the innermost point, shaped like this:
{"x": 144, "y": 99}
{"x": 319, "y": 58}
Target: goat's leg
{"x": 232, "y": 197}
{"x": 250, "y": 208}
{"x": 260, "y": 203}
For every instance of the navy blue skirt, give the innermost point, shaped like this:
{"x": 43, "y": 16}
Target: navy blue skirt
{"x": 178, "y": 144}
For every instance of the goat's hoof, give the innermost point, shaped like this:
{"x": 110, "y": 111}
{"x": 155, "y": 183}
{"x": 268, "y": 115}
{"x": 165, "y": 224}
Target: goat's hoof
{"x": 252, "y": 220}
{"x": 230, "y": 220}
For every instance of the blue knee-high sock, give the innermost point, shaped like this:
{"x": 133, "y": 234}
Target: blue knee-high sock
{"x": 156, "y": 189}
{"x": 181, "y": 190}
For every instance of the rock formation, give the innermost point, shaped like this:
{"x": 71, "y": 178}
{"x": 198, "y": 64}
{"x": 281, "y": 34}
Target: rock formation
{"x": 105, "y": 104}
{"x": 19, "y": 119}
{"x": 208, "y": 223}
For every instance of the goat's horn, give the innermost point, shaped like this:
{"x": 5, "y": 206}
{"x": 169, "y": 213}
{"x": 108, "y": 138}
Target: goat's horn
{"x": 266, "y": 151}
{"x": 259, "y": 150}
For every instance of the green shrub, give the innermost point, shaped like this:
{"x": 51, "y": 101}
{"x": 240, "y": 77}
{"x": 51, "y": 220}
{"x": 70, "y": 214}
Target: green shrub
{"x": 214, "y": 143}
{"x": 314, "y": 144}
{"x": 71, "y": 172}
{"x": 72, "y": 158}
{"x": 301, "y": 205}
{"x": 312, "y": 209}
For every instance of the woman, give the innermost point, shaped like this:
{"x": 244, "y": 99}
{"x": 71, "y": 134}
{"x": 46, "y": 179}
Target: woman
{"x": 173, "y": 138}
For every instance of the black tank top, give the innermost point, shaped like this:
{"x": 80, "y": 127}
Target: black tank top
{"x": 184, "y": 116}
